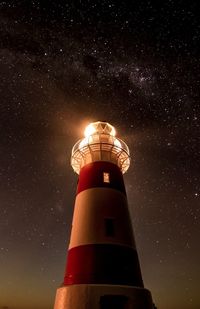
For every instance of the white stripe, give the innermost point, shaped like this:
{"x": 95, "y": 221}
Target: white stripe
{"x": 92, "y": 207}
{"x": 82, "y": 296}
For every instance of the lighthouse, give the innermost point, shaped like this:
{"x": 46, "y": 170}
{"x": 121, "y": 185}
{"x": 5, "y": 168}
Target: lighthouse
{"x": 102, "y": 269}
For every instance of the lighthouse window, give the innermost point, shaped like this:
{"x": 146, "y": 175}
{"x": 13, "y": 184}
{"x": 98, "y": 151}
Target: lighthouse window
{"x": 106, "y": 177}
{"x": 109, "y": 227}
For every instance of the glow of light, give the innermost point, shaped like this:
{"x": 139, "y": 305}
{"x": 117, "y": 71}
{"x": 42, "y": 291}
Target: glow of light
{"x": 113, "y": 132}
{"x": 83, "y": 143}
{"x": 117, "y": 143}
{"x": 90, "y": 129}
{"x": 97, "y": 127}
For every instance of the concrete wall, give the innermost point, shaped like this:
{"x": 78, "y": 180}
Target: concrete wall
{"x": 87, "y": 296}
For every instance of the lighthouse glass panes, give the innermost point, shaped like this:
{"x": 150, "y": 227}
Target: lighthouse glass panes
{"x": 100, "y": 144}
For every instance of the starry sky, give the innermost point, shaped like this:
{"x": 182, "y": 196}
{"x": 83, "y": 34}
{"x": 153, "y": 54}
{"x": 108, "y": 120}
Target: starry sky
{"x": 63, "y": 65}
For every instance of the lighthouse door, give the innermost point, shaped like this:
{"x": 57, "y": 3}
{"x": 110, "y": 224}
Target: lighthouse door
{"x": 114, "y": 302}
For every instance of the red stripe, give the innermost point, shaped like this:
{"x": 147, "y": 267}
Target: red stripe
{"x": 103, "y": 264}
{"x": 91, "y": 175}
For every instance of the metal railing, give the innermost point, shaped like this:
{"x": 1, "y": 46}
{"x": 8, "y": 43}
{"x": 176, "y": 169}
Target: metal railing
{"x": 100, "y": 147}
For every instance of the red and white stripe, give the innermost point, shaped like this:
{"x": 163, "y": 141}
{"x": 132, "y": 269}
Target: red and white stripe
{"x": 93, "y": 256}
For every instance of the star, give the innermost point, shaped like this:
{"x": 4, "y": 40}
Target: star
{"x": 63, "y": 65}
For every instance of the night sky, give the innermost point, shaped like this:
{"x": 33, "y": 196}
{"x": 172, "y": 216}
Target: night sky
{"x": 63, "y": 65}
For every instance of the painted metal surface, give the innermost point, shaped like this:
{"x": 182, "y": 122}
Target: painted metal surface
{"x": 92, "y": 208}
{"x": 94, "y": 255}
{"x": 103, "y": 263}
{"x": 91, "y": 176}
{"x": 89, "y": 296}
{"x": 102, "y": 266}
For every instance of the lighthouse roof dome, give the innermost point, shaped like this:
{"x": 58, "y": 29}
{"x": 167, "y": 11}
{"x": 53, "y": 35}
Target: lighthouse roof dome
{"x": 99, "y": 127}
{"x": 100, "y": 144}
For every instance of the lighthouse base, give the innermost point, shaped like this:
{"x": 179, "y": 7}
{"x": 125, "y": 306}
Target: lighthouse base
{"x": 94, "y": 296}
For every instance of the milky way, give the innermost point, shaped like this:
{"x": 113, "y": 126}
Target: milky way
{"x": 134, "y": 65}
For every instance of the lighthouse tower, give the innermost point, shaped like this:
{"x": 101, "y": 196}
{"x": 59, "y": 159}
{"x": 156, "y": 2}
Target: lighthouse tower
{"x": 102, "y": 269}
